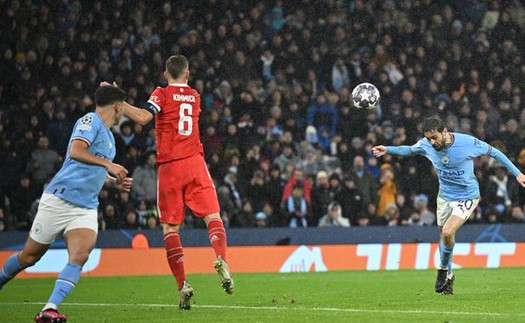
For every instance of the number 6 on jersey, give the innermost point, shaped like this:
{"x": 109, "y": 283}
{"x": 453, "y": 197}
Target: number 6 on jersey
{"x": 185, "y": 120}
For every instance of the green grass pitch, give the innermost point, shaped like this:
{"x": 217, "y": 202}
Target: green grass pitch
{"x": 481, "y": 295}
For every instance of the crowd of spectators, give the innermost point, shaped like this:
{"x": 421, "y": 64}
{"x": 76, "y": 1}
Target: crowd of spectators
{"x": 283, "y": 142}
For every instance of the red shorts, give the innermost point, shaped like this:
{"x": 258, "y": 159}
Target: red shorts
{"x": 185, "y": 182}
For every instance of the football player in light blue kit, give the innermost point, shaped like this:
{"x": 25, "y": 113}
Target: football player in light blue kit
{"x": 452, "y": 155}
{"x": 69, "y": 203}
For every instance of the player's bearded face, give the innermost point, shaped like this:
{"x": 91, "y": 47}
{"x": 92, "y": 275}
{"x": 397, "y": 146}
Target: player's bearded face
{"x": 436, "y": 138}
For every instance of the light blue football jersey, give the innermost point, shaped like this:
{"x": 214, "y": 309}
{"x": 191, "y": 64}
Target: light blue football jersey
{"x": 79, "y": 183}
{"x": 454, "y": 164}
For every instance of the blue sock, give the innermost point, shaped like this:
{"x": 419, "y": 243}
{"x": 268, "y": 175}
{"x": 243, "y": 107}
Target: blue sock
{"x": 67, "y": 279}
{"x": 11, "y": 268}
{"x": 446, "y": 256}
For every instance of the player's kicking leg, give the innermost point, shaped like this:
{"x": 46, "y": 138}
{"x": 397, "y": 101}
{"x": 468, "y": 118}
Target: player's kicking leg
{"x": 445, "y": 276}
{"x": 218, "y": 240}
{"x": 17, "y": 262}
{"x": 80, "y": 242}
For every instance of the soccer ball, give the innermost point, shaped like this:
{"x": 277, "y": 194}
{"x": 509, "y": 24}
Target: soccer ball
{"x": 365, "y": 96}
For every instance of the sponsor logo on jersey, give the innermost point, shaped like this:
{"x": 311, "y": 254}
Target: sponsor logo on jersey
{"x": 181, "y": 97}
{"x": 155, "y": 99}
{"x": 84, "y": 127}
{"x": 450, "y": 172}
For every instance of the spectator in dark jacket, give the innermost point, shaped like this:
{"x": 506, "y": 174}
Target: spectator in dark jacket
{"x": 351, "y": 200}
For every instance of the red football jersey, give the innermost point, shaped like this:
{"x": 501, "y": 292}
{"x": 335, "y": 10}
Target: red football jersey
{"x": 178, "y": 107}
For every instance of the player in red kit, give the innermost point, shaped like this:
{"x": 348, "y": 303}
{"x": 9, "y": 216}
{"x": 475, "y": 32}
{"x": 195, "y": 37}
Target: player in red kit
{"x": 183, "y": 178}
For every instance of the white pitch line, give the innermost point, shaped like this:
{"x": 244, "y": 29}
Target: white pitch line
{"x": 275, "y": 308}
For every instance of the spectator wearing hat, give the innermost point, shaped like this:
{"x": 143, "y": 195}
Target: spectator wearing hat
{"x": 261, "y": 220}
{"x": 333, "y": 217}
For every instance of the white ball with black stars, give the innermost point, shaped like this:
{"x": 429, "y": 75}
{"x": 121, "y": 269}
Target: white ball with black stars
{"x": 365, "y": 96}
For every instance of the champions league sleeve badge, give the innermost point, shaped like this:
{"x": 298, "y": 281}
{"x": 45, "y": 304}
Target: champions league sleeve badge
{"x": 85, "y": 123}
{"x": 86, "y": 119}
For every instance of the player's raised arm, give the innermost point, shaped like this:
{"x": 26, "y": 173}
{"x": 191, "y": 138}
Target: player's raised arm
{"x": 140, "y": 116}
{"x": 79, "y": 152}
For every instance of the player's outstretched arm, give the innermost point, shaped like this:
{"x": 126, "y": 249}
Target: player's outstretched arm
{"x": 380, "y": 150}
{"x": 502, "y": 159}
{"x": 79, "y": 152}
{"x": 138, "y": 115}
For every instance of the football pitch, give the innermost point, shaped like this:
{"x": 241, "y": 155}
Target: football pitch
{"x": 481, "y": 295}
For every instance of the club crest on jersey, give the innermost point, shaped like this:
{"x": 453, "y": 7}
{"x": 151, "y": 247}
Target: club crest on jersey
{"x": 86, "y": 119}
{"x": 444, "y": 160}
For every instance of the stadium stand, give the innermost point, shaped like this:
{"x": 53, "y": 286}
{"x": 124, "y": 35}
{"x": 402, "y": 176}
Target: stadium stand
{"x": 278, "y": 127}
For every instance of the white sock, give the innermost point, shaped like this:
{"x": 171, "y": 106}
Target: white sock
{"x": 50, "y": 306}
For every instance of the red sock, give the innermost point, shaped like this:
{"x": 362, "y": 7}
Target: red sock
{"x": 175, "y": 256}
{"x": 218, "y": 237}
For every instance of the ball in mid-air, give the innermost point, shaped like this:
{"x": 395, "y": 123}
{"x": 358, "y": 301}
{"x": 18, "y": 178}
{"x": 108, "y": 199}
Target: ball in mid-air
{"x": 365, "y": 96}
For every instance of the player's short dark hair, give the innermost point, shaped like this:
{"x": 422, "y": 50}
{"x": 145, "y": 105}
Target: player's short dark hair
{"x": 176, "y": 65}
{"x": 433, "y": 123}
{"x": 109, "y": 94}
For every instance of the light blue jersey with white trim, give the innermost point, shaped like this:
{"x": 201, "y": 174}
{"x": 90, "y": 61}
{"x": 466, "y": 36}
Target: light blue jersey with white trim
{"x": 454, "y": 164}
{"x": 79, "y": 183}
